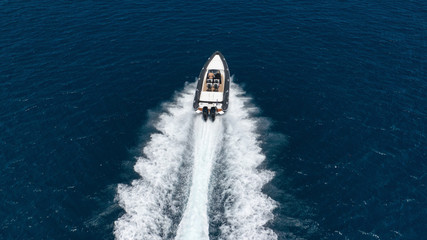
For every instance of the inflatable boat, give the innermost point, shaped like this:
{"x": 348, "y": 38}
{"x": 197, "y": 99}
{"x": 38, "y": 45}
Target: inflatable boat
{"x": 213, "y": 87}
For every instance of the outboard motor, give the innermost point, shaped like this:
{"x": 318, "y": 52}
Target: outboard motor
{"x": 205, "y": 113}
{"x": 213, "y": 112}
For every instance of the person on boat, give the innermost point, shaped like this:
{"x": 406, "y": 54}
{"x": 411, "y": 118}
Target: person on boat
{"x": 211, "y": 75}
{"x": 218, "y": 76}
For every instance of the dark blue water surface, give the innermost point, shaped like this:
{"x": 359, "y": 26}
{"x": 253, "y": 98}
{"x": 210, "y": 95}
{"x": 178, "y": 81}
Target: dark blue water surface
{"x": 345, "y": 81}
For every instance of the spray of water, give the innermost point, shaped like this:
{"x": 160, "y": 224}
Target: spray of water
{"x": 164, "y": 204}
{"x": 195, "y": 222}
{"x": 246, "y": 208}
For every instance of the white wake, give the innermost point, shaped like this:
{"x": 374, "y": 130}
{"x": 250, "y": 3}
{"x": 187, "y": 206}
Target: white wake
{"x": 247, "y": 209}
{"x": 208, "y": 139}
{"x": 162, "y": 204}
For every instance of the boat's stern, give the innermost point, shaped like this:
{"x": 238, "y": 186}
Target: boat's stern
{"x": 210, "y": 106}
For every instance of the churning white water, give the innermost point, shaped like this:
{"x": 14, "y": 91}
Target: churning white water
{"x": 208, "y": 139}
{"x": 172, "y": 198}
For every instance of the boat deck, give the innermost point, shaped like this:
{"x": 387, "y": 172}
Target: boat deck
{"x": 220, "y": 89}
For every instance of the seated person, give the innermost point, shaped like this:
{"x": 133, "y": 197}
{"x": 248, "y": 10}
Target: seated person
{"x": 211, "y": 75}
{"x": 218, "y": 76}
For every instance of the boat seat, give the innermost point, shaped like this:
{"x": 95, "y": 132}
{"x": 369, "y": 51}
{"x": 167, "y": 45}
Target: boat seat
{"x": 209, "y": 80}
{"x": 216, "y": 81}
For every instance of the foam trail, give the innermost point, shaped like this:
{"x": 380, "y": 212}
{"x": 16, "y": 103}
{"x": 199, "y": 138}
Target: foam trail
{"x": 149, "y": 201}
{"x": 247, "y": 209}
{"x": 185, "y": 144}
{"x": 195, "y": 222}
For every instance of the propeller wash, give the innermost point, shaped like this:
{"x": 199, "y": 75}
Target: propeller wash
{"x": 199, "y": 179}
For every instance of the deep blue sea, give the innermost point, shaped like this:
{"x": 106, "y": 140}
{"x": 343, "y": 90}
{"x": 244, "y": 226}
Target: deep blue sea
{"x": 325, "y": 137}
